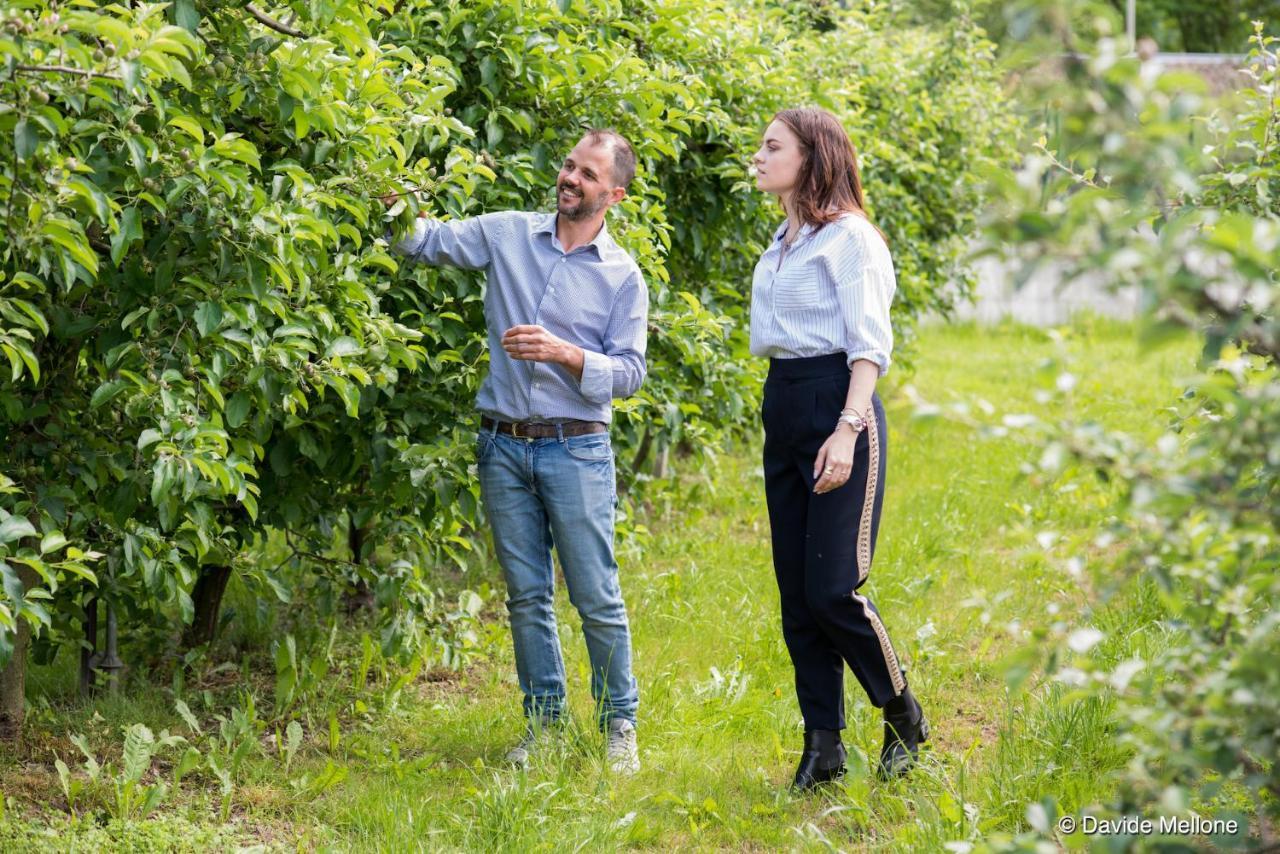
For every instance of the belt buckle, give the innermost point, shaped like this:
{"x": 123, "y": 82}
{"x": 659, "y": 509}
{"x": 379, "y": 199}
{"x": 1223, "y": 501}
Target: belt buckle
{"x": 515, "y": 431}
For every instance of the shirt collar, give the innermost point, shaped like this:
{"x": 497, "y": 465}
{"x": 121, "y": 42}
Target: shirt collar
{"x": 602, "y": 242}
{"x": 778, "y": 235}
{"x": 546, "y": 224}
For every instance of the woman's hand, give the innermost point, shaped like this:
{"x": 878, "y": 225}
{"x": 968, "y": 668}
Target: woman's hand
{"x": 835, "y": 460}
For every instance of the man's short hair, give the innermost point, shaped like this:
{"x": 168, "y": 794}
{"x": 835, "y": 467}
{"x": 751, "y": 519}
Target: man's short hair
{"x": 624, "y": 156}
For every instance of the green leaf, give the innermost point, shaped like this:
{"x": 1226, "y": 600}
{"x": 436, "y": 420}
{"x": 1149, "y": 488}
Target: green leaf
{"x": 21, "y": 355}
{"x": 184, "y": 712}
{"x": 137, "y": 154}
{"x": 237, "y": 409}
{"x": 349, "y": 393}
{"x": 186, "y": 15}
{"x": 15, "y": 360}
{"x": 12, "y": 584}
{"x": 155, "y": 795}
{"x": 130, "y": 71}
{"x": 24, "y": 313}
{"x": 64, "y": 777}
{"x": 293, "y": 740}
{"x": 190, "y": 125}
{"x": 189, "y": 762}
{"x": 493, "y": 138}
{"x": 130, "y": 230}
{"x": 93, "y": 194}
{"x": 208, "y": 317}
{"x": 70, "y": 236}
{"x": 14, "y": 528}
{"x": 105, "y": 392}
{"x": 136, "y": 758}
{"x": 232, "y": 147}
{"x": 25, "y": 139}
{"x": 344, "y": 345}
{"x": 90, "y": 762}
{"x": 52, "y": 541}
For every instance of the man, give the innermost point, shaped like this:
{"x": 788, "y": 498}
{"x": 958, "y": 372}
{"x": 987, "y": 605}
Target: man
{"x": 566, "y": 312}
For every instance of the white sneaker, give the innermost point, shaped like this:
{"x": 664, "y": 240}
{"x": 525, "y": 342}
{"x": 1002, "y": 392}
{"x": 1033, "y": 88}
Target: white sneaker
{"x": 621, "y": 749}
{"x": 537, "y": 739}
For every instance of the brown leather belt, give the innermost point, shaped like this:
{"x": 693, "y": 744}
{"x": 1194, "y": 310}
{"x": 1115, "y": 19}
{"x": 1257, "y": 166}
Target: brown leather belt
{"x": 532, "y": 430}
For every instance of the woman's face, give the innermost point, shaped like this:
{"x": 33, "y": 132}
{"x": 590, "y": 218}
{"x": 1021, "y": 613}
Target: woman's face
{"x": 778, "y": 160}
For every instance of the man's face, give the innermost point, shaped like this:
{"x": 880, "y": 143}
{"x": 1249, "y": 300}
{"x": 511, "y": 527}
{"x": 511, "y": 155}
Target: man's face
{"x": 584, "y": 186}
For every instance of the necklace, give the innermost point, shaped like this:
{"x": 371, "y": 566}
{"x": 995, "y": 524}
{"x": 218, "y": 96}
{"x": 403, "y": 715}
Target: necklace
{"x": 786, "y": 247}
{"x": 789, "y": 239}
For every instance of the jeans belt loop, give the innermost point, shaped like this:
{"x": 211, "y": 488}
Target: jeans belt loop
{"x": 560, "y": 432}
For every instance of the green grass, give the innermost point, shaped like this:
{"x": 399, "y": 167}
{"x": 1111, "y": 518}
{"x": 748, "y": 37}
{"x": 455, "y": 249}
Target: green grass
{"x": 959, "y": 578}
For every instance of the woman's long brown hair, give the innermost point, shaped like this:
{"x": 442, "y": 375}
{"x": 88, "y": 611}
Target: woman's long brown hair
{"x": 828, "y": 184}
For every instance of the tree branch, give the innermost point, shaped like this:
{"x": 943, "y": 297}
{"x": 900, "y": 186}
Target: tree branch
{"x": 65, "y": 69}
{"x": 13, "y": 186}
{"x": 325, "y": 559}
{"x": 388, "y": 13}
{"x": 268, "y": 21}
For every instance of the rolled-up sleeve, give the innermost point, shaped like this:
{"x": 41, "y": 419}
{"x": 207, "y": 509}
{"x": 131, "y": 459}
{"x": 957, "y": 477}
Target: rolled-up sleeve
{"x": 864, "y": 282}
{"x": 458, "y": 243}
{"x": 619, "y": 371}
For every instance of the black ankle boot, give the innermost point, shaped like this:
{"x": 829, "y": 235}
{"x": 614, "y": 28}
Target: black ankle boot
{"x": 905, "y": 729}
{"x": 822, "y": 760}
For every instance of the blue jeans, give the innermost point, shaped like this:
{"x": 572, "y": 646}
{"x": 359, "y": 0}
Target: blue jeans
{"x": 559, "y": 492}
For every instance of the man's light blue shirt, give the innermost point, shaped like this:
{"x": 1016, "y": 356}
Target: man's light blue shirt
{"x": 594, "y": 297}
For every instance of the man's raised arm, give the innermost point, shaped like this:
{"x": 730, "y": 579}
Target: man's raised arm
{"x": 458, "y": 242}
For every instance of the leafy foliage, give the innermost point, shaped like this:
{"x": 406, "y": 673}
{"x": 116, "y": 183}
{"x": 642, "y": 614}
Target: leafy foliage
{"x": 1123, "y": 194}
{"x": 211, "y": 349}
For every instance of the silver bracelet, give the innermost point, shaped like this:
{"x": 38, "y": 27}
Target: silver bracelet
{"x": 857, "y": 422}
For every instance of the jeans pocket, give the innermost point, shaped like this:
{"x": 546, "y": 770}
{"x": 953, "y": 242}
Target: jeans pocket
{"x": 484, "y": 446}
{"x": 592, "y": 448}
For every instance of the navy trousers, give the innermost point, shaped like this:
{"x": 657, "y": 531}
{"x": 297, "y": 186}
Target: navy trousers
{"x": 823, "y": 544}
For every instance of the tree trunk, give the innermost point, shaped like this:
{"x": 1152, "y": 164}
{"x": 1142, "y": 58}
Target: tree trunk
{"x": 13, "y": 678}
{"x": 361, "y": 598}
{"x": 662, "y": 463}
{"x": 207, "y": 598}
{"x": 642, "y": 452}
{"x": 90, "y": 649}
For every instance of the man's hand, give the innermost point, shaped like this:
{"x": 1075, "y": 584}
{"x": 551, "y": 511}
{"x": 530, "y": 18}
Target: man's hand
{"x": 535, "y": 344}
{"x": 390, "y": 200}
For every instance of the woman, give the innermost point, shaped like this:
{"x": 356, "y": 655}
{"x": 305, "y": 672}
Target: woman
{"x": 820, "y": 312}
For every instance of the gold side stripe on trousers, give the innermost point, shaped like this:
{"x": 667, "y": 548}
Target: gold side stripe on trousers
{"x": 886, "y": 648}
{"x": 868, "y": 500}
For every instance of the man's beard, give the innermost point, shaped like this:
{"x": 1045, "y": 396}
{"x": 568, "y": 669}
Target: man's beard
{"x": 584, "y": 209}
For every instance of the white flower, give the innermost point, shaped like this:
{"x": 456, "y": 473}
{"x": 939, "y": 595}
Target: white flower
{"x": 1083, "y": 640}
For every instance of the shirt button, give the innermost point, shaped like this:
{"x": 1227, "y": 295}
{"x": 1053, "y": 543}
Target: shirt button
{"x": 563, "y": 259}
{"x": 551, "y": 290}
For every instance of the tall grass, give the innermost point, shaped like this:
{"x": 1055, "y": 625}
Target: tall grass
{"x": 959, "y": 577}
